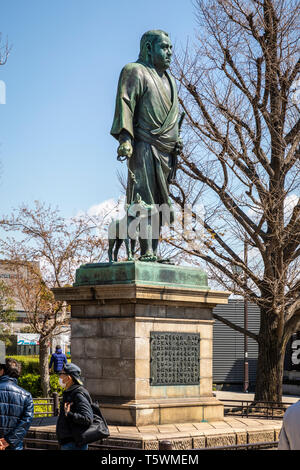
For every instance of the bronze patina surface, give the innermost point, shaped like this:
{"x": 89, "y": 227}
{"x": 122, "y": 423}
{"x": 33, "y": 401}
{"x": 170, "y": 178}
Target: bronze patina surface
{"x": 137, "y": 272}
{"x": 147, "y": 128}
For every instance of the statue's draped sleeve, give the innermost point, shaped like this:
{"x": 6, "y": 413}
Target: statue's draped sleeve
{"x": 129, "y": 91}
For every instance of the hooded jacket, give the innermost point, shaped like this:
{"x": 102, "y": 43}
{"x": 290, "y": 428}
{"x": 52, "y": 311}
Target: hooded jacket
{"x": 58, "y": 359}
{"x": 16, "y": 411}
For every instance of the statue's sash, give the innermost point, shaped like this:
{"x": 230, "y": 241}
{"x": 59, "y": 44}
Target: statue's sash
{"x": 170, "y": 106}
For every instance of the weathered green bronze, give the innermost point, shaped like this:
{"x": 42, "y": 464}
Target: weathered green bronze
{"x": 136, "y": 272}
{"x": 174, "y": 358}
{"x": 146, "y": 126}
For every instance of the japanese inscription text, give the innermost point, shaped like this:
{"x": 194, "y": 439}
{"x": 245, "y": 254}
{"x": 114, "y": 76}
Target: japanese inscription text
{"x": 174, "y": 358}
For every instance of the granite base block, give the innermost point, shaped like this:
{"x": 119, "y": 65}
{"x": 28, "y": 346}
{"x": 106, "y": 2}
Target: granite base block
{"x": 154, "y": 412}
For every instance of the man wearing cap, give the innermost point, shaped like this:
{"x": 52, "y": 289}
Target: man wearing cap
{"x": 16, "y": 406}
{"x": 76, "y": 413}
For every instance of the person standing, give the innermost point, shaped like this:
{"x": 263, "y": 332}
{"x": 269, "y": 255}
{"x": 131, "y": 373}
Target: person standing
{"x": 76, "y": 413}
{"x": 58, "y": 359}
{"x": 16, "y": 407}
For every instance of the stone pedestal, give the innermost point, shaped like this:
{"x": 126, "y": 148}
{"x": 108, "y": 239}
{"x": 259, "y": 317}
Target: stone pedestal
{"x": 111, "y": 327}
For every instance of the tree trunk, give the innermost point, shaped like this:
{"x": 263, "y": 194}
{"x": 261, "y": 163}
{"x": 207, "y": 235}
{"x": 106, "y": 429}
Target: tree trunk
{"x": 269, "y": 374}
{"x": 44, "y": 366}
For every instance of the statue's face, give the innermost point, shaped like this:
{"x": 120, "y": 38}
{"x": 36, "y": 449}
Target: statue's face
{"x": 162, "y": 53}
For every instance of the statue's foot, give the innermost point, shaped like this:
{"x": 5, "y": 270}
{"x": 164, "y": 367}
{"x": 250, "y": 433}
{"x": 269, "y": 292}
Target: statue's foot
{"x": 148, "y": 257}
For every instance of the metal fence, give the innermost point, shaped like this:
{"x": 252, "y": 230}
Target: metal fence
{"x": 47, "y": 407}
{"x": 249, "y": 409}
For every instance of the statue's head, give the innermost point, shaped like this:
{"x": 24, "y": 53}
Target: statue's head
{"x": 156, "y": 49}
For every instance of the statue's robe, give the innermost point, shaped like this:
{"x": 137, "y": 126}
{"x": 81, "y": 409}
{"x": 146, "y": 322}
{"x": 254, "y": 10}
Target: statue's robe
{"x": 150, "y": 115}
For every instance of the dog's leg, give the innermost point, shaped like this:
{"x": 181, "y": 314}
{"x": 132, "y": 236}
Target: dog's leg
{"x": 128, "y": 249}
{"x": 133, "y": 243}
{"x": 110, "y": 249}
{"x": 117, "y": 247}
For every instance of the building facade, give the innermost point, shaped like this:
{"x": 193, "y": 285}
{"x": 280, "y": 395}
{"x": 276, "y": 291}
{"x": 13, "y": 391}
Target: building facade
{"x": 228, "y": 351}
{"x": 228, "y": 346}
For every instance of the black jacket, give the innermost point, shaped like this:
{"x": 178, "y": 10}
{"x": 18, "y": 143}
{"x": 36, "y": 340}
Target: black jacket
{"x": 16, "y": 411}
{"x": 69, "y": 428}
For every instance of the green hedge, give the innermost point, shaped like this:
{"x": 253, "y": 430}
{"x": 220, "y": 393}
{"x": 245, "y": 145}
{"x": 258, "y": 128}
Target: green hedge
{"x": 30, "y": 364}
{"x": 32, "y": 383}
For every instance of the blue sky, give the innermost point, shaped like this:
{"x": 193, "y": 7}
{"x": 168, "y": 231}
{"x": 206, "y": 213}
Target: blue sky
{"x": 61, "y": 79}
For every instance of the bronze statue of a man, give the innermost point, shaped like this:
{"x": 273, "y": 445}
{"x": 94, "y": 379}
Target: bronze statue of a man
{"x": 146, "y": 126}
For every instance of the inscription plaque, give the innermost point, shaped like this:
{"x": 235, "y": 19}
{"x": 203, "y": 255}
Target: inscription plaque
{"x": 174, "y": 358}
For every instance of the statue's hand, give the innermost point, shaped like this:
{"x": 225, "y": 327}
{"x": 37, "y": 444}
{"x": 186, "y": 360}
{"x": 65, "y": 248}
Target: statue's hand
{"x": 125, "y": 150}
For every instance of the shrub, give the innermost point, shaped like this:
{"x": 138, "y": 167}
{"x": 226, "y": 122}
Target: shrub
{"x": 31, "y": 383}
{"x": 54, "y": 385}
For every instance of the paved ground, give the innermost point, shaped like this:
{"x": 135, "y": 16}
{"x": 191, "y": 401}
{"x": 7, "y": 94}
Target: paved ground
{"x": 232, "y": 430}
{"x": 230, "y": 424}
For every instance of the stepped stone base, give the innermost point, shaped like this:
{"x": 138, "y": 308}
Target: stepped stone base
{"x": 117, "y": 309}
{"x": 168, "y": 411}
{"x": 183, "y": 436}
